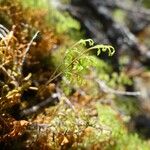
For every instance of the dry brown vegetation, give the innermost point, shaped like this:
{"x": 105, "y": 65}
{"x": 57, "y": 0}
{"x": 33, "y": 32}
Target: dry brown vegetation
{"x": 18, "y": 58}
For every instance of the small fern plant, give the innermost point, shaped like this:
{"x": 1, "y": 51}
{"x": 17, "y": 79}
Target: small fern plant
{"x": 77, "y": 60}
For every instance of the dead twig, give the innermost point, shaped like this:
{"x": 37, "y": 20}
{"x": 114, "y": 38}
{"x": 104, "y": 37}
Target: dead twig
{"x": 4, "y": 29}
{"x": 3, "y": 33}
{"x": 61, "y": 95}
{"x": 128, "y": 8}
{"x": 37, "y": 107}
{"x": 107, "y": 89}
{"x": 28, "y": 48}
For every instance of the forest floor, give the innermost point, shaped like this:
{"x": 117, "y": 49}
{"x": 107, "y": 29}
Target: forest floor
{"x": 74, "y": 75}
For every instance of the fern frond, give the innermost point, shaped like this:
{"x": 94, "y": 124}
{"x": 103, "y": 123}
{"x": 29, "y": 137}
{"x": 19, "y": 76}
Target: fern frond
{"x": 77, "y": 60}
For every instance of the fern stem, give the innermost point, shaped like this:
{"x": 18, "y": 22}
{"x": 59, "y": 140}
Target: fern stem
{"x": 51, "y": 79}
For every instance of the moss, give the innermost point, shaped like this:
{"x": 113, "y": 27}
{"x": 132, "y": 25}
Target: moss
{"x": 120, "y": 138}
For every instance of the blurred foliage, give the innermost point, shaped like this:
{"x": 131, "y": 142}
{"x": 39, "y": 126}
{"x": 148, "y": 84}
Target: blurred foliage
{"x": 146, "y": 3}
